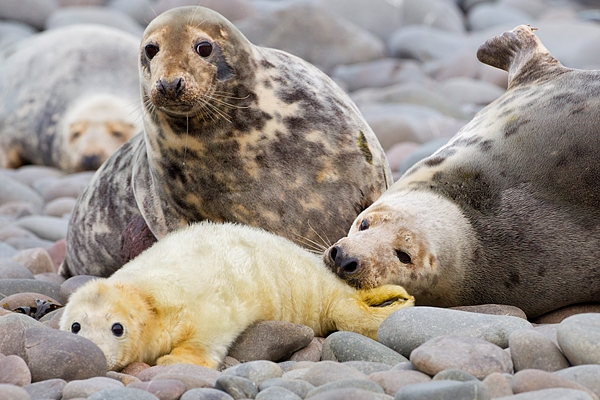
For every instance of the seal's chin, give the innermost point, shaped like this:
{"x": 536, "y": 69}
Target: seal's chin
{"x": 178, "y": 111}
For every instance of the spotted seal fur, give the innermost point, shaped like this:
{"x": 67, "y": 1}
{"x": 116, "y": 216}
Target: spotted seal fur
{"x": 233, "y": 132}
{"x": 70, "y": 97}
{"x": 186, "y": 298}
{"x": 508, "y": 212}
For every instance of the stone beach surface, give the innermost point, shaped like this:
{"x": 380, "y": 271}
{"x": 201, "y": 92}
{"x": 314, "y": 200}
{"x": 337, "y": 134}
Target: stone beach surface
{"x": 410, "y": 66}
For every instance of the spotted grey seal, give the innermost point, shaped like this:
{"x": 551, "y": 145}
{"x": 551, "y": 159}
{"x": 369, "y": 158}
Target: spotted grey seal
{"x": 508, "y": 211}
{"x": 233, "y": 132}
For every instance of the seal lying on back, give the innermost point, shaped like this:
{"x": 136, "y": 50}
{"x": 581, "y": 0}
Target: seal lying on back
{"x": 509, "y": 211}
{"x": 186, "y": 298}
{"x": 70, "y": 97}
{"x": 233, "y": 132}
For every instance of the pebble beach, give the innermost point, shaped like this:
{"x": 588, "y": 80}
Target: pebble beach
{"x": 410, "y": 67}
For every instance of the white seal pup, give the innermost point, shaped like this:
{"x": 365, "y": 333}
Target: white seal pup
{"x": 233, "y": 133}
{"x": 70, "y": 97}
{"x": 508, "y": 212}
{"x": 186, "y": 298}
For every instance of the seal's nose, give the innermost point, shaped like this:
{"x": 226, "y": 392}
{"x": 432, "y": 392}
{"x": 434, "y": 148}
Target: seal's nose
{"x": 171, "y": 89}
{"x": 340, "y": 264}
{"x": 90, "y": 162}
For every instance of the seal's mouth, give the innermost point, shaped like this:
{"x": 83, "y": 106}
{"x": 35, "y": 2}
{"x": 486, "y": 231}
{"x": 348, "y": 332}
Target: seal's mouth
{"x": 178, "y": 110}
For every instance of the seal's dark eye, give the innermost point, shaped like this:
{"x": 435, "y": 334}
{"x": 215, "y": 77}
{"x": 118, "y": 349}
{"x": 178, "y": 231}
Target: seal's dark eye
{"x": 151, "y": 50}
{"x": 403, "y": 257}
{"x": 117, "y": 329}
{"x": 364, "y": 225}
{"x": 75, "y": 327}
{"x": 204, "y": 49}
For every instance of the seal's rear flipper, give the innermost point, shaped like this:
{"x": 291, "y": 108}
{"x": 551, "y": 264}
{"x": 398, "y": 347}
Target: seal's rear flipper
{"x": 520, "y": 53}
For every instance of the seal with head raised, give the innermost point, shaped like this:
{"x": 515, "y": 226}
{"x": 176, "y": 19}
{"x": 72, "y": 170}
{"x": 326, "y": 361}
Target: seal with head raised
{"x": 70, "y": 97}
{"x": 186, "y": 298}
{"x": 233, "y": 132}
{"x": 508, "y": 211}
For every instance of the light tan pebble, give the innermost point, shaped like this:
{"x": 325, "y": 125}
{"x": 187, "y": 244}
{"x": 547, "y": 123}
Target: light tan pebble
{"x": 37, "y": 260}
{"x": 59, "y": 206}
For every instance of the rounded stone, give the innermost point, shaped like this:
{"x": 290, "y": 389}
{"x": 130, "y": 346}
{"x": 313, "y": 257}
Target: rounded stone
{"x": 13, "y": 190}
{"x": 190, "y": 381}
{"x": 469, "y": 390}
{"x": 12, "y": 392}
{"x": 498, "y": 385}
{"x": 256, "y": 371}
{"x": 493, "y": 309}
{"x": 164, "y": 389}
{"x": 45, "y": 227}
{"x": 350, "y": 346}
{"x": 59, "y": 206}
{"x": 206, "y": 394}
{"x": 312, "y": 352}
{"x": 550, "y": 394}
{"x": 533, "y": 379}
{"x": 72, "y": 284}
{"x": 202, "y": 374}
{"x": 408, "y": 328}
{"x": 368, "y": 367}
{"x": 6, "y": 250}
{"x": 122, "y": 394}
{"x": 14, "y": 286}
{"x": 51, "y": 389}
{"x": 270, "y": 340}
{"x": 350, "y": 394}
{"x": 37, "y": 260}
{"x": 454, "y": 375}
{"x": 473, "y": 355}
{"x": 14, "y": 371}
{"x": 10, "y": 269}
{"x": 557, "y": 316}
{"x": 298, "y": 387}
{"x": 19, "y": 209}
{"x": 277, "y": 393}
{"x": 28, "y": 300}
{"x": 362, "y": 384}
{"x": 12, "y": 333}
{"x": 579, "y": 338}
{"x": 391, "y": 381}
{"x": 87, "y": 387}
{"x": 586, "y": 375}
{"x": 94, "y": 15}
{"x": 53, "y": 354}
{"x": 329, "y": 371}
{"x": 236, "y": 386}
{"x": 531, "y": 350}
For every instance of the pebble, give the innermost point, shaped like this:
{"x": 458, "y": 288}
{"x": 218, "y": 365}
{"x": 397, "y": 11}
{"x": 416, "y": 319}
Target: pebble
{"x": 312, "y": 352}
{"x": 533, "y": 379}
{"x": 87, "y": 387}
{"x": 94, "y": 15}
{"x": 408, "y": 328}
{"x": 550, "y": 394}
{"x": 391, "y": 381}
{"x": 586, "y": 375}
{"x": 277, "y": 393}
{"x": 498, "y": 385}
{"x": 531, "y": 350}
{"x": 14, "y": 371}
{"x": 329, "y": 371}
{"x": 51, "y": 389}
{"x": 205, "y": 394}
{"x": 470, "y": 354}
{"x": 362, "y": 384}
{"x": 14, "y": 286}
{"x": 349, "y": 346}
{"x": 164, "y": 389}
{"x": 298, "y": 387}
{"x": 12, "y": 392}
{"x": 13, "y": 270}
{"x": 122, "y": 394}
{"x": 37, "y": 260}
{"x": 236, "y": 386}
{"x": 579, "y": 338}
{"x": 469, "y": 390}
{"x": 45, "y": 227}
{"x": 270, "y": 340}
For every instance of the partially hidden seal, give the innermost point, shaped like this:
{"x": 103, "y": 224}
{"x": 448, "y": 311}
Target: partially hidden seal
{"x": 508, "y": 212}
{"x": 233, "y": 133}
{"x": 186, "y": 298}
{"x": 70, "y": 97}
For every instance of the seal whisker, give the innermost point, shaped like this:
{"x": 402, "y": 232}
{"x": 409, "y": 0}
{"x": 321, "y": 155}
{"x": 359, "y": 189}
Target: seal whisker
{"x": 311, "y": 245}
{"x": 217, "y": 111}
{"x": 326, "y": 242}
{"x": 225, "y": 103}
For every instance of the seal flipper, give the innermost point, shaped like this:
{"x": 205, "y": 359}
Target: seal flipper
{"x": 520, "y": 53}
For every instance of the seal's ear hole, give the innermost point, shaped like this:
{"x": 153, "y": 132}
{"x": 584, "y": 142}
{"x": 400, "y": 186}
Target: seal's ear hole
{"x": 403, "y": 257}
{"x": 151, "y": 50}
{"x": 204, "y": 49}
{"x": 117, "y": 134}
{"x": 117, "y": 329}
{"x": 364, "y": 225}
{"x": 75, "y": 327}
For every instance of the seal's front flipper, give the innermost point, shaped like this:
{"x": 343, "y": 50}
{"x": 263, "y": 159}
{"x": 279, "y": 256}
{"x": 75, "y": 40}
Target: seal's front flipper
{"x": 370, "y": 308}
{"x": 520, "y": 53}
{"x": 187, "y": 355}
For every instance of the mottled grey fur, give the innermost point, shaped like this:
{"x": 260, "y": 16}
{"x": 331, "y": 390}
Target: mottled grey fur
{"x": 284, "y": 149}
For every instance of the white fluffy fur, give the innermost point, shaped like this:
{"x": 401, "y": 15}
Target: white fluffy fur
{"x": 190, "y": 295}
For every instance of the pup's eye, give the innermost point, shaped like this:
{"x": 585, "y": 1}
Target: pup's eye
{"x": 403, "y": 257}
{"x": 151, "y": 50}
{"x": 75, "y": 327}
{"x": 204, "y": 49}
{"x": 364, "y": 225}
{"x": 117, "y": 329}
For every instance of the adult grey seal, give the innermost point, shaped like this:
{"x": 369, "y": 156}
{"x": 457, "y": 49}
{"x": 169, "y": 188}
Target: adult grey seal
{"x": 508, "y": 211}
{"x": 233, "y": 133}
{"x": 70, "y": 97}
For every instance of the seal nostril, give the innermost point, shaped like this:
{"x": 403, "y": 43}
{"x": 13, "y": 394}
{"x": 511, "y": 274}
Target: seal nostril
{"x": 349, "y": 266}
{"x": 333, "y": 253}
{"x": 171, "y": 89}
